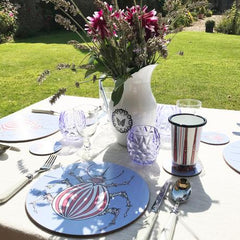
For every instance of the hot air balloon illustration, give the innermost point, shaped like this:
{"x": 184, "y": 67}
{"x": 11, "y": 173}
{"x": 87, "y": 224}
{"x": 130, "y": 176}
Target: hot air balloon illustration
{"x": 89, "y": 198}
{"x": 81, "y": 201}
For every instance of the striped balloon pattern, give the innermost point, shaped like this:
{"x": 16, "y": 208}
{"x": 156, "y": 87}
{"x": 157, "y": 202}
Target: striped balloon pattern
{"x": 82, "y": 201}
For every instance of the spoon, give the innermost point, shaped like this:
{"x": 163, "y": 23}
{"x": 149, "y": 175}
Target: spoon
{"x": 180, "y": 193}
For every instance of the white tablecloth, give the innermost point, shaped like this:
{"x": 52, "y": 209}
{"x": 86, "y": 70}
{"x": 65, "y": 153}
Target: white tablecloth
{"x": 212, "y": 212}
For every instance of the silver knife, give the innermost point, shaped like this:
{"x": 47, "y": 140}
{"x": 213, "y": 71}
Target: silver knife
{"x": 44, "y": 111}
{"x": 236, "y": 133}
{"x": 144, "y": 233}
{"x": 8, "y": 147}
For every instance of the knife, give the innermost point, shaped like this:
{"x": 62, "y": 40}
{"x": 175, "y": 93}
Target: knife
{"x": 236, "y": 133}
{"x": 8, "y": 147}
{"x": 51, "y": 112}
{"x": 144, "y": 233}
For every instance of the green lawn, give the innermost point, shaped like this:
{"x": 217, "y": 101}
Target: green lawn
{"x": 208, "y": 70}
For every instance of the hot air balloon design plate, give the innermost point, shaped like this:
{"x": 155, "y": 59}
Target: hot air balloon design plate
{"x": 25, "y": 127}
{"x": 86, "y": 199}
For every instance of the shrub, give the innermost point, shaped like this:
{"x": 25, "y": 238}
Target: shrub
{"x": 186, "y": 11}
{"x": 184, "y": 19}
{"x": 230, "y": 23}
{"x": 209, "y": 25}
{"x": 8, "y": 20}
{"x": 209, "y": 13}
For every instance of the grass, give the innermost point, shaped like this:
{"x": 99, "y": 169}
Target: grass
{"x": 208, "y": 70}
{"x": 22, "y": 62}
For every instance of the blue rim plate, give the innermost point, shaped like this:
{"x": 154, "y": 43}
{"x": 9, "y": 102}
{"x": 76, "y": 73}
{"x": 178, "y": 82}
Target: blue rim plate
{"x": 25, "y": 127}
{"x": 87, "y": 198}
{"x": 231, "y": 154}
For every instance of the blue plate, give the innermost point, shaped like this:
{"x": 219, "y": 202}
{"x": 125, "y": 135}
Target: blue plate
{"x": 87, "y": 199}
{"x": 231, "y": 154}
{"x": 25, "y": 127}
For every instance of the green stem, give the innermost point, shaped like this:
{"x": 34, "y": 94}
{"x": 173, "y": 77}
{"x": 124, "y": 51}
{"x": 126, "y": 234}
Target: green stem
{"x": 116, "y": 4}
{"x": 77, "y": 24}
{"x": 79, "y": 11}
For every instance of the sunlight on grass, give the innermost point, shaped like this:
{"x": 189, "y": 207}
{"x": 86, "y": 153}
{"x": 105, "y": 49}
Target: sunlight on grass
{"x": 208, "y": 70}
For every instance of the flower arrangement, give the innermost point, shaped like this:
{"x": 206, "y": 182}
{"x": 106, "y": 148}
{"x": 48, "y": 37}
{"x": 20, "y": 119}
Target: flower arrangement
{"x": 122, "y": 41}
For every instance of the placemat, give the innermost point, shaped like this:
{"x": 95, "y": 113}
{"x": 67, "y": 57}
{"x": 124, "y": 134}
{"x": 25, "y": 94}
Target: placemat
{"x": 214, "y": 138}
{"x": 25, "y": 127}
{"x": 87, "y": 199}
{"x": 45, "y": 147}
{"x": 231, "y": 154}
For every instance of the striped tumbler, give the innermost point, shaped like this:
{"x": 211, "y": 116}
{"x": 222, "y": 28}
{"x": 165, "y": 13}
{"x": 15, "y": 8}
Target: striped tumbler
{"x": 186, "y": 134}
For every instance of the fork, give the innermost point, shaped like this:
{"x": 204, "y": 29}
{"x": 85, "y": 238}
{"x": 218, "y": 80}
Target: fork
{"x": 4, "y": 197}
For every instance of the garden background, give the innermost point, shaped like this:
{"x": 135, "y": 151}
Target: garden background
{"x": 200, "y": 65}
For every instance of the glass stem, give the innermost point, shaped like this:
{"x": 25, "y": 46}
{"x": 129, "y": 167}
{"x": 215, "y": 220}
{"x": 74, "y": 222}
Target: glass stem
{"x": 87, "y": 144}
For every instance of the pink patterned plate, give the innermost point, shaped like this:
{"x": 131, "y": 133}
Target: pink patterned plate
{"x": 87, "y": 199}
{"x": 214, "y": 138}
{"x": 25, "y": 127}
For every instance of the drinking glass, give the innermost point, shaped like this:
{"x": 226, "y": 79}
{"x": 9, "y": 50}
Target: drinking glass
{"x": 143, "y": 144}
{"x": 189, "y": 105}
{"x": 164, "y": 111}
{"x": 91, "y": 113}
{"x": 71, "y": 122}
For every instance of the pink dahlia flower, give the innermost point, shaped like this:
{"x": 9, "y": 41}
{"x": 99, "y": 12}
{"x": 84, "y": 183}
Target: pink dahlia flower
{"x": 97, "y": 26}
{"x": 149, "y": 20}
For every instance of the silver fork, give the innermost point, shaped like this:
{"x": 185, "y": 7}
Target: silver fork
{"x": 26, "y": 179}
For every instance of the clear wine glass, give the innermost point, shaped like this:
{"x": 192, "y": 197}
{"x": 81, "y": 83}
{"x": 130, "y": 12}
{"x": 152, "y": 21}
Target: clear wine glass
{"x": 91, "y": 113}
{"x": 70, "y": 123}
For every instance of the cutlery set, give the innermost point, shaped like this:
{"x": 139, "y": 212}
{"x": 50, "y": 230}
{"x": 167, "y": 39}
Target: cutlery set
{"x": 144, "y": 233}
{"x": 4, "y": 197}
{"x": 180, "y": 193}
